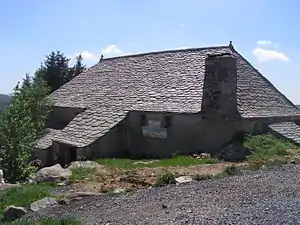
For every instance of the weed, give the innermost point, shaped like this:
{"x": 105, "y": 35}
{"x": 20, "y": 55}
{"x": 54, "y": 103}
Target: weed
{"x": 82, "y": 173}
{"x": 199, "y": 177}
{"x": 231, "y": 170}
{"x": 165, "y": 179}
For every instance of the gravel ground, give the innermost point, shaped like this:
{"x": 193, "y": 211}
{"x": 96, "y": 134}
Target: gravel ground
{"x": 260, "y": 197}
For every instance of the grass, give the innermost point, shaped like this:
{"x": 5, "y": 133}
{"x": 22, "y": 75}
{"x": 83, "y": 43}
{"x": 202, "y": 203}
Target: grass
{"x": 167, "y": 162}
{"x": 231, "y": 170}
{"x": 266, "y": 146}
{"x": 45, "y": 221}
{"x": 200, "y": 177}
{"x": 81, "y": 173}
{"x": 165, "y": 179}
{"x": 25, "y": 194}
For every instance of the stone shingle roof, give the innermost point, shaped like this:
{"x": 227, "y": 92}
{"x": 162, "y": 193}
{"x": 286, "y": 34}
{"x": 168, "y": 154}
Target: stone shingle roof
{"x": 46, "y": 140}
{"x": 289, "y": 130}
{"x": 168, "y": 81}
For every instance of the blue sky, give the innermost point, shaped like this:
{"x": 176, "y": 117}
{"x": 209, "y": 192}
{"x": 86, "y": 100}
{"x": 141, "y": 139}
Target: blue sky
{"x": 264, "y": 31}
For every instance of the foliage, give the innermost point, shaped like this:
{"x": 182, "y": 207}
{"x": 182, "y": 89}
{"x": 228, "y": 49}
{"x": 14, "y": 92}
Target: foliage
{"x": 20, "y": 125}
{"x": 265, "y": 146}
{"x": 46, "y": 221}
{"x": 24, "y": 194}
{"x": 231, "y": 170}
{"x": 81, "y": 173}
{"x": 56, "y": 71}
{"x": 174, "y": 161}
{"x": 165, "y": 179}
{"x": 200, "y": 177}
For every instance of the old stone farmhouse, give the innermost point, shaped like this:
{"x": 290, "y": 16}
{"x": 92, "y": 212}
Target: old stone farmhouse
{"x": 154, "y": 104}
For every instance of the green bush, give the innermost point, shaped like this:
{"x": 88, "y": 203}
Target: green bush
{"x": 231, "y": 170}
{"x": 165, "y": 179}
{"x": 200, "y": 177}
{"x": 265, "y": 146}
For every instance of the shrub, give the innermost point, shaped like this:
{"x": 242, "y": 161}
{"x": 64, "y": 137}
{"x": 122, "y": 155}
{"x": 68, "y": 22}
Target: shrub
{"x": 265, "y": 146}
{"x": 165, "y": 179}
{"x": 200, "y": 177}
{"x": 231, "y": 170}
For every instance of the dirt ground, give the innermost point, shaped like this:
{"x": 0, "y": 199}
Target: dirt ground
{"x": 107, "y": 179}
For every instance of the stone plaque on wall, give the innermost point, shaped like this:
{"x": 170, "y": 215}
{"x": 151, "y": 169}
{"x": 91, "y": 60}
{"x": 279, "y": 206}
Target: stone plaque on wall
{"x": 154, "y": 132}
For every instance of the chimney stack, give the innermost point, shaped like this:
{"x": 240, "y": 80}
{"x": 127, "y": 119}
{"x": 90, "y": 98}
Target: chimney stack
{"x": 220, "y": 85}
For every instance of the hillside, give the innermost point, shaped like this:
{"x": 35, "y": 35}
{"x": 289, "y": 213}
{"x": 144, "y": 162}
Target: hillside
{"x": 4, "y": 101}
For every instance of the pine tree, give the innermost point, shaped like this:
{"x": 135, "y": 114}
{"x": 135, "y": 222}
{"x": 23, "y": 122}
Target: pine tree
{"x": 54, "y": 70}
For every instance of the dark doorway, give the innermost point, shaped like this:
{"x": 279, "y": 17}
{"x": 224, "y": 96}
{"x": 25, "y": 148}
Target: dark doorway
{"x": 73, "y": 154}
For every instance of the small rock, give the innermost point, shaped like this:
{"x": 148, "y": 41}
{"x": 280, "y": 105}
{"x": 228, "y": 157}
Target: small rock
{"x": 77, "y": 198}
{"x": 164, "y": 206}
{"x": 189, "y": 211}
{"x": 184, "y": 179}
{"x": 42, "y": 204}
{"x": 293, "y": 161}
{"x": 64, "y": 202}
{"x": 144, "y": 162}
{"x": 13, "y": 212}
{"x": 53, "y": 173}
{"x": 83, "y": 164}
{"x": 119, "y": 190}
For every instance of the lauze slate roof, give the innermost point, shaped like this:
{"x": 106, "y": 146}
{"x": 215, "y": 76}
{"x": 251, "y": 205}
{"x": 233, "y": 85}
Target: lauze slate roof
{"x": 168, "y": 81}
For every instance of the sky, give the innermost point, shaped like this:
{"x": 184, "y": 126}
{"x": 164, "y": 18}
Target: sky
{"x": 265, "y": 32}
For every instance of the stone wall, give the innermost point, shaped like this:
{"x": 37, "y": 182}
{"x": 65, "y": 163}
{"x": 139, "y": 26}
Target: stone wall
{"x": 186, "y": 134}
{"x": 220, "y": 86}
{"x": 112, "y": 144}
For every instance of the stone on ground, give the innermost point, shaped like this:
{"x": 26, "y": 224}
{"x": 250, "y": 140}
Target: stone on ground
{"x": 53, "y": 173}
{"x": 119, "y": 190}
{"x": 83, "y": 164}
{"x": 184, "y": 179}
{"x": 234, "y": 153}
{"x": 13, "y": 212}
{"x": 42, "y": 204}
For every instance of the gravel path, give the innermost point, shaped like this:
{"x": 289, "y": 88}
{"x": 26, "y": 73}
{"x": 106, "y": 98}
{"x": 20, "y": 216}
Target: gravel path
{"x": 260, "y": 197}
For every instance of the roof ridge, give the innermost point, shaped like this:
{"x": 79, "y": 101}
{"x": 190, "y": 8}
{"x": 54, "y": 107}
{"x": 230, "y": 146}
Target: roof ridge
{"x": 165, "y": 51}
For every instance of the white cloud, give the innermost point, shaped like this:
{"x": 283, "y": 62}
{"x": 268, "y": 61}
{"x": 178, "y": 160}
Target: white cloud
{"x": 181, "y": 25}
{"x": 86, "y": 55}
{"x": 264, "y": 42}
{"x": 264, "y": 55}
{"x": 112, "y": 50}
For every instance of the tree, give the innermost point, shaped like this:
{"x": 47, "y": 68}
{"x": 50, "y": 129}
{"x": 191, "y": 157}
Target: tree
{"x": 20, "y": 125}
{"x": 77, "y": 68}
{"x": 56, "y": 71}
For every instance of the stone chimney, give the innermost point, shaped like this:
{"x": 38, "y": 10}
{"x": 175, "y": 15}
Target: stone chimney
{"x": 220, "y": 85}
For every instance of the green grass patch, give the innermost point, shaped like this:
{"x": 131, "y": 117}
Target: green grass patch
{"x": 25, "y": 194}
{"x": 266, "y": 146}
{"x": 165, "y": 179}
{"x": 167, "y": 162}
{"x": 82, "y": 173}
{"x": 46, "y": 221}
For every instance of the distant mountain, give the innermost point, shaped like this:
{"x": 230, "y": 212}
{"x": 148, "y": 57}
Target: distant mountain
{"x": 4, "y": 101}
